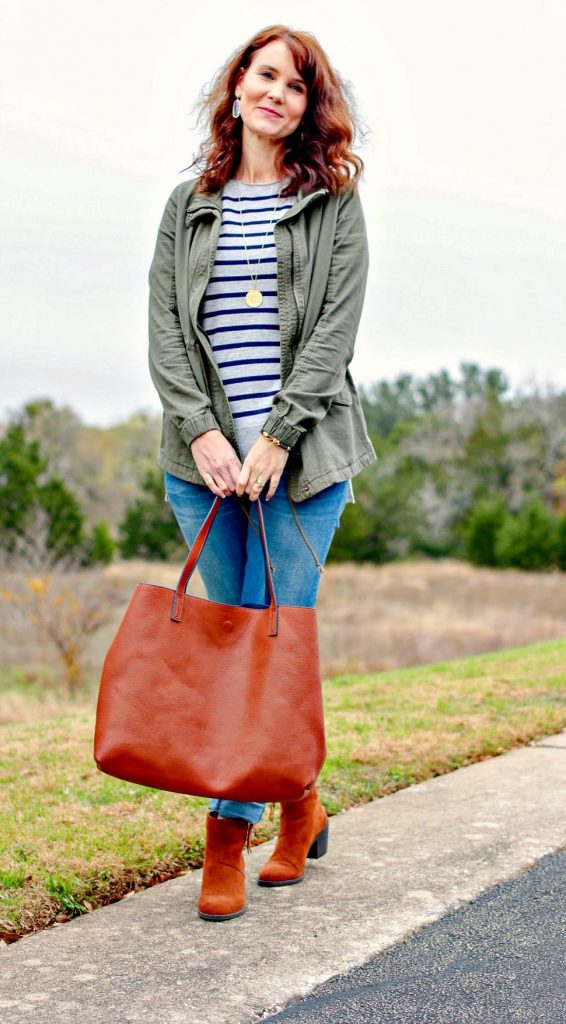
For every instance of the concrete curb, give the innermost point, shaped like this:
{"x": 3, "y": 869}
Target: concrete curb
{"x": 393, "y": 866}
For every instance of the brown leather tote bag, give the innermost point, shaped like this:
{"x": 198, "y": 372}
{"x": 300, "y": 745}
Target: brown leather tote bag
{"x": 212, "y": 699}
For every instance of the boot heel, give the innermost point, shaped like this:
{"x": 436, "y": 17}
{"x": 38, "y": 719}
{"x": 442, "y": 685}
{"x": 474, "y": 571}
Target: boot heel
{"x": 319, "y": 845}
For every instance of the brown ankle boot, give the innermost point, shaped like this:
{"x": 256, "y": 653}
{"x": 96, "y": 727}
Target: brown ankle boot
{"x": 223, "y": 891}
{"x": 303, "y": 833}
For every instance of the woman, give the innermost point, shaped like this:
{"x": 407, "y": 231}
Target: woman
{"x": 256, "y": 291}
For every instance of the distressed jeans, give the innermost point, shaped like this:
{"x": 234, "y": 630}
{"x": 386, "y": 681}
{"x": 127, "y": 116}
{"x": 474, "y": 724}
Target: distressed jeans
{"x": 232, "y": 566}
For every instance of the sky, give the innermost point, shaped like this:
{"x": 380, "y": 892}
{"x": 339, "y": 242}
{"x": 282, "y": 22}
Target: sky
{"x": 464, "y": 187}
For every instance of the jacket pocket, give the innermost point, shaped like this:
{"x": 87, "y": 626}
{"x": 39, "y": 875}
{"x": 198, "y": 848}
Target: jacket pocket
{"x": 344, "y": 397}
{"x": 194, "y": 352}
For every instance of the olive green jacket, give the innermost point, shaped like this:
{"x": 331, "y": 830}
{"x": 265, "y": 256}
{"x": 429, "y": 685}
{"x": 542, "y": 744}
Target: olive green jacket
{"x": 322, "y": 265}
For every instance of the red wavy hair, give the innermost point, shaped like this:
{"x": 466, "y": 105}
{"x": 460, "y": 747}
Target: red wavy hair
{"x": 317, "y": 154}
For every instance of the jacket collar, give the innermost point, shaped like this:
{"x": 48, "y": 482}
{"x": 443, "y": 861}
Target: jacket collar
{"x": 201, "y": 204}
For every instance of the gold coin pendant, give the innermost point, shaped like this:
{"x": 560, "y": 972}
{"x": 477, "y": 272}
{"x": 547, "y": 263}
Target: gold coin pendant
{"x": 254, "y": 297}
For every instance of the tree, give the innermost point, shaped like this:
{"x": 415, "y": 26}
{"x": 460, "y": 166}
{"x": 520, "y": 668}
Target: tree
{"x": 436, "y": 389}
{"x": 25, "y": 487}
{"x": 149, "y": 528}
{"x": 485, "y": 448}
{"x": 64, "y": 517}
{"x": 385, "y": 405}
{"x": 101, "y": 466}
{"x": 384, "y": 520}
{"x": 66, "y": 608}
{"x": 21, "y": 464}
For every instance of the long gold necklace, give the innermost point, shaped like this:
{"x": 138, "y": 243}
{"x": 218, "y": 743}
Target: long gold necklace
{"x": 254, "y": 297}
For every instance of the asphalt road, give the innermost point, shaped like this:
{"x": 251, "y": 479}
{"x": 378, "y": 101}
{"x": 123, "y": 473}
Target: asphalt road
{"x": 500, "y": 959}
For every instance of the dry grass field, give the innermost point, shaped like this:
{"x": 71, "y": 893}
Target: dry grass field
{"x": 411, "y": 613}
{"x": 414, "y": 613}
{"x": 370, "y": 618}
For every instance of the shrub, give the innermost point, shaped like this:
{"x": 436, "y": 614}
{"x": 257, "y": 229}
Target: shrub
{"x": 99, "y": 547}
{"x": 561, "y": 542}
{"x": 485, "y": 519}
{"x": 529, "y": 539}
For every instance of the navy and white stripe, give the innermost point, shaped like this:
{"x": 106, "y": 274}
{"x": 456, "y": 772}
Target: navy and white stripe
{"x": 246, "y": 341}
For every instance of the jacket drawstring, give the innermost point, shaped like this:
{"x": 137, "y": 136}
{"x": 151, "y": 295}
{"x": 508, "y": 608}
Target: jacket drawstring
{"x": 319, "y": 567}
{"x": 302, "y": 533}
{"x": 248, "y": 837}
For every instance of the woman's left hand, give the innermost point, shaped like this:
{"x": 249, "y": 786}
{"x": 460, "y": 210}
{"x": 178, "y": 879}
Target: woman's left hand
{"x": 265, "y": 461}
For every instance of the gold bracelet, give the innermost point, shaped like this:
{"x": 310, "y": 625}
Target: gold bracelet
{"x": 275, "y": 440}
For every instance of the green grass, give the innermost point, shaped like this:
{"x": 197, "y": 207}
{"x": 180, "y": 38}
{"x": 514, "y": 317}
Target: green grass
{"x": 73, "y": 838}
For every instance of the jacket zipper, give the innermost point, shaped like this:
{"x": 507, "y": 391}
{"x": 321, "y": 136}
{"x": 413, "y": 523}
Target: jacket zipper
{"x": 318, "y": 565}
{"x": 211, "y": 256}
{"x": 308, "y": 200}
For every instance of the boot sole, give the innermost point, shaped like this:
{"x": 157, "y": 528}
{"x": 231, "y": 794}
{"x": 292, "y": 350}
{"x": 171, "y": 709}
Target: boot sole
{"x": 287, "y": 881}
{"x": 221, "y": 917}
{"x": 317, "y": 849}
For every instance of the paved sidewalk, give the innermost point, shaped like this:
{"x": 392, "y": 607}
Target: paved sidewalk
{"x": 393, "y": 866}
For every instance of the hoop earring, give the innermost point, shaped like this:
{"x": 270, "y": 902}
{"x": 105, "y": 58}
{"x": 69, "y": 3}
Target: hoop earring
{"x": 236, "y": 108}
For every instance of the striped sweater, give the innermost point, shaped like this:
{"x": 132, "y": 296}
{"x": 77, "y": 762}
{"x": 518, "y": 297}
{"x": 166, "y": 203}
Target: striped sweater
{"x": 246, "y": 340}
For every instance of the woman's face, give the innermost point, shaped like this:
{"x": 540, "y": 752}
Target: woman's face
{"x": 273, "y": 96}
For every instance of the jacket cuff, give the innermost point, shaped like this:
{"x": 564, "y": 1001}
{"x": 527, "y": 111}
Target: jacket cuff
{"x": 284, "y": 431}
{"x": 198, "y": 424}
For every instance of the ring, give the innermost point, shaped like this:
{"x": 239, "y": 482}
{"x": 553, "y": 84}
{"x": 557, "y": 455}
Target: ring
{"x": 259, "y": 482}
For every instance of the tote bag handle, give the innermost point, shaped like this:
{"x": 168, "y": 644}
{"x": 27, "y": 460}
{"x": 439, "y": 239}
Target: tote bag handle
{"x": 194, "y": 555}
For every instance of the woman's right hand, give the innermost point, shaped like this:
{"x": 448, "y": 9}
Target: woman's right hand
{"x": 217, "y": 462}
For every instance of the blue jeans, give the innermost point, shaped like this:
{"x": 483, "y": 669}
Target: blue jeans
{"x": 231, "y": 563}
